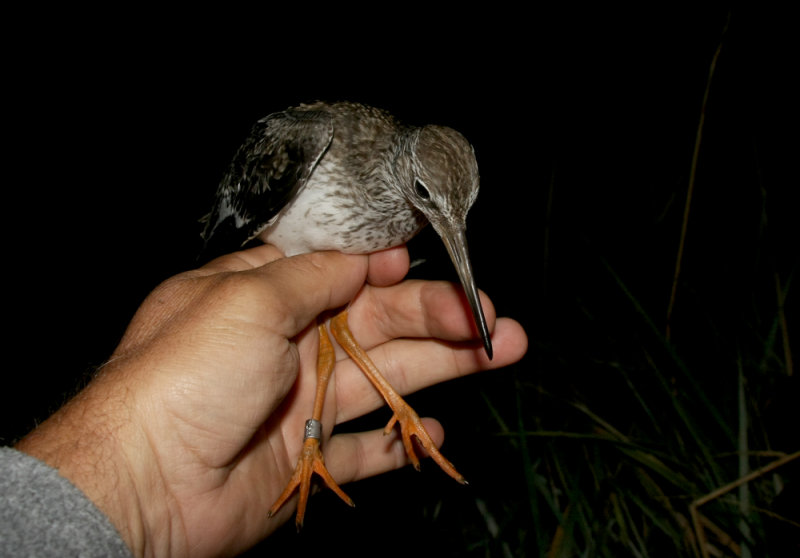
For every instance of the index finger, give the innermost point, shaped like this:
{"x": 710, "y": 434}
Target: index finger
{"x": 418, "y": 309}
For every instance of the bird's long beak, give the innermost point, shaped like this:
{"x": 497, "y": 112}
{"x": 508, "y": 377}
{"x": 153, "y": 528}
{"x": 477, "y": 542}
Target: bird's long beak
{"x": 455, "y": 240}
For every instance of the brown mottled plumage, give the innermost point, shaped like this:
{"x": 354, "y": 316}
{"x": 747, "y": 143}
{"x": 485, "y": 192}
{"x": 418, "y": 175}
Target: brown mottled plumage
{"x": 348, "y": 177}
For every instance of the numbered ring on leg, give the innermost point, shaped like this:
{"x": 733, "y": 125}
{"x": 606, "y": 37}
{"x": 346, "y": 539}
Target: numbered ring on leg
{"x": 313, "y": 429}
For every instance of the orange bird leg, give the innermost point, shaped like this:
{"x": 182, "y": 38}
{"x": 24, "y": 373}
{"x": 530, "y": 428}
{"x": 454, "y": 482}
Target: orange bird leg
{"x": 404, "y": 415}
{"x": 311, "y": 460}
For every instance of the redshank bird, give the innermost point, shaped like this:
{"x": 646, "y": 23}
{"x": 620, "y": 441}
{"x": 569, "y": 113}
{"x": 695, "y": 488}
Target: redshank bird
{"x": 349, "y": 177}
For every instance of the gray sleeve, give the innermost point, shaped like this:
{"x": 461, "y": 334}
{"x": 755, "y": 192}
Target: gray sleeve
{"x": 43, "y": 514}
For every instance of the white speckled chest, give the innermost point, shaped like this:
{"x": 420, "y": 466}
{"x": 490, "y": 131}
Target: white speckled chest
{"x": 329, "y": 214}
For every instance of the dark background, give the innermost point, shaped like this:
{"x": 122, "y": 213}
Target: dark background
{"x": 118, "y": 129}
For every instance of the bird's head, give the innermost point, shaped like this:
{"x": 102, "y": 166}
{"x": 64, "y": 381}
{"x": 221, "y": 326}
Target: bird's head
{"x": 443, "y": 181}
{"x": 438, "y": 175}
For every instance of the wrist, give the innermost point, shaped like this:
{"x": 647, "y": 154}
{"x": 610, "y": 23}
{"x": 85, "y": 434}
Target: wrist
{"x": 84, "y": 442}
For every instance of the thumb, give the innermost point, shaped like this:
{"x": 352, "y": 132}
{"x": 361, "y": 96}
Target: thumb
{"x": 304, "y": 286}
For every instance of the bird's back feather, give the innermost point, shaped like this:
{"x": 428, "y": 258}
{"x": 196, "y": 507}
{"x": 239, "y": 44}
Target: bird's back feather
{"x": 268, "y": 170}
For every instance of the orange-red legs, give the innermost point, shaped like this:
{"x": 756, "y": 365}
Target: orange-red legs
{"x": 311, "y": 460}
{"x": 404, "y": 415}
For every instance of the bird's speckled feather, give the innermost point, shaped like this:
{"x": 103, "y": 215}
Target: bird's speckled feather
{"x": 347, "y": 177}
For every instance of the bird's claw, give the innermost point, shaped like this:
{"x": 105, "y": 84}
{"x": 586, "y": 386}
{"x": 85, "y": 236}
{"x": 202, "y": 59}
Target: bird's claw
{"x": 411, "y": 425}
{"x": 310, "y": 462}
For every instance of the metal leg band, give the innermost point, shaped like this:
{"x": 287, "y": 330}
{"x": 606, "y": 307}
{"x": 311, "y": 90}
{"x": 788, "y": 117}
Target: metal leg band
{"x": 313, "y": 429}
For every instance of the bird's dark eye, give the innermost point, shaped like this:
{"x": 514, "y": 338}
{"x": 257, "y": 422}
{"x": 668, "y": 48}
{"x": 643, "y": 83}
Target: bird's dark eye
{"x": 422, "y": 190}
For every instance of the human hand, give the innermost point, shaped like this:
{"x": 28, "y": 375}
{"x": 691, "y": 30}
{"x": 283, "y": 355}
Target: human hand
{"x": 191, "y": 430}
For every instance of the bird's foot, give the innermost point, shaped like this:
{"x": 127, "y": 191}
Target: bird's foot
{"x": 411, "y": 425}
{"x": 404, "y": 415}
{"x": 309, "y": 462}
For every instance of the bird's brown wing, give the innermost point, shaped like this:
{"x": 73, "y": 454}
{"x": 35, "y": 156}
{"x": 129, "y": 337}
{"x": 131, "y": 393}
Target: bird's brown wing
{"x": 268, "y": 170}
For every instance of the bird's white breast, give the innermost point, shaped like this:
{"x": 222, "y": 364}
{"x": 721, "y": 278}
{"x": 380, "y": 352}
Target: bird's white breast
{"x": 328, "y": 215}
